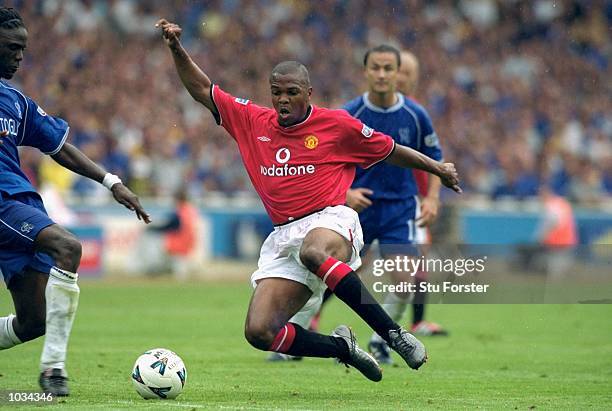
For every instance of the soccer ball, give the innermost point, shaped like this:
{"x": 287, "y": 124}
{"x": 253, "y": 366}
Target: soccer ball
{"x": 159, "y": 373}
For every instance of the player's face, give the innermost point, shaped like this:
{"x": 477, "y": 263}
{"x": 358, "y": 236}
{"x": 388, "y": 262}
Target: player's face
{"x": 12, "y": 44}
{"x": 381, "y": 72}
{"x": 290, "y": 98}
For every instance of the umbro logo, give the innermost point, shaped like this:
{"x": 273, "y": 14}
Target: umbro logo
{"x": 264, "y": 139}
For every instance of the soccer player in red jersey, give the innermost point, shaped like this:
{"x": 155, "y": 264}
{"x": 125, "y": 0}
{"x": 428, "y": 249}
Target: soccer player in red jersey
{"x": 301, "y": 160}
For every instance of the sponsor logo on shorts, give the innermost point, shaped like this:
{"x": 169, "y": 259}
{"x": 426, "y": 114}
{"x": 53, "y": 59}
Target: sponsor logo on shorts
{"x": 26, "y": 227}
{"x": 311, "y": 142}
{"x": 283, "y": 155}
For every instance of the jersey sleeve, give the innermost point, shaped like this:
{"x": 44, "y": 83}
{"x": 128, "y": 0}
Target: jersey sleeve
{"x": 360, "y": 144}
{"x": 42, "y": 131}
{"x": 233, "y": 113}
{"x": 429, "y": 143}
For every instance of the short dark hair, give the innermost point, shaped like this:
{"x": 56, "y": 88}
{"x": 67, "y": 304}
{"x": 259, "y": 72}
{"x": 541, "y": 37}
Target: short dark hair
{"x": 291, "y": 67}
{"x": 383, "y": 48}
{"x": 10, "y": 18}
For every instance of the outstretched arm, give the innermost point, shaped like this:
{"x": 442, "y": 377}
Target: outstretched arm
{"x": 408, "y": 158}
{"x": 74, "y": 160}
{"x": 194, "y": 79}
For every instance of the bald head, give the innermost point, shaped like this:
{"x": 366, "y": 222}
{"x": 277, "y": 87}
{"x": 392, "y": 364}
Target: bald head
{"x": 290, "y": 89}
{"x": 293, "y": 68}
{"x": 408, "y": 75}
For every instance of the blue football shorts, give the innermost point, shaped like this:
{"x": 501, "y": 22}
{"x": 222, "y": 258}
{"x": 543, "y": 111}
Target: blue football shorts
{"x": 22, "y": 217}
{"x": 392, "y": 223}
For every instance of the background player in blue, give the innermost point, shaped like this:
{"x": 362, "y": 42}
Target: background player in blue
{"x": 407, "y": 80}
{"x": 386, "y": 196}
{"x": 38, "y": 258}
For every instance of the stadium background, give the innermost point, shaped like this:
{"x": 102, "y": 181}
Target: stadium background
{"x": 519, "y": 93}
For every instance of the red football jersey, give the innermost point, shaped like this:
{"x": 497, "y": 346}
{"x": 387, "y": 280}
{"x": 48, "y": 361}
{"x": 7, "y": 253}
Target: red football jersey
{"x": 422, "y": 178}
{"x": 303, "y": 168}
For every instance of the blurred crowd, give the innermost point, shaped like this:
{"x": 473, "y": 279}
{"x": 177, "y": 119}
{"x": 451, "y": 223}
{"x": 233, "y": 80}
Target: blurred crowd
{"x": 517, "y": 90}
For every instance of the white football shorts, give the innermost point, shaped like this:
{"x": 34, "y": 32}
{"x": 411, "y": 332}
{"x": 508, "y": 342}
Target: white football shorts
{"x": 279, "y": 256}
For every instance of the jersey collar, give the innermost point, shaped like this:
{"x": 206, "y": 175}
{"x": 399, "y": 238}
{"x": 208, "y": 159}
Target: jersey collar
{"x": 393, "y": 108}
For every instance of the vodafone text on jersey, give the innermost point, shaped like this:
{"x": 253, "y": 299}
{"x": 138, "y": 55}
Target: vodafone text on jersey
{"x": 283, "y": 156}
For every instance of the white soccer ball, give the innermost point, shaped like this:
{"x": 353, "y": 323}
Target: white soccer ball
{"x": 159, "y": 373}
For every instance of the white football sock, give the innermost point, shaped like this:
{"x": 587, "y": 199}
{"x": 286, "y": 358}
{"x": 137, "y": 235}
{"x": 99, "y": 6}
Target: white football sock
{"x": 62, "y": 294}
{"x": 396, "y": 306}
{"x": 8, "y": 338}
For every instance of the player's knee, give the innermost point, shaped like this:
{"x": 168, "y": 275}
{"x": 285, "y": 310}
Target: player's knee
{"x": 312, "y": 256}
{"x": 69, "y": 252}
{"x": 259, "y": 335}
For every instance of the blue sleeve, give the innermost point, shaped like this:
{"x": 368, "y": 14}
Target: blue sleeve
{"x": 42, "y": 131}
{"x": 429, "y": 143}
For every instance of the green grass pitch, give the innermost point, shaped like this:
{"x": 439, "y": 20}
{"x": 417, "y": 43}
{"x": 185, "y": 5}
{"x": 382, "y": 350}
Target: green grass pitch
{"x": 497, "y": 357}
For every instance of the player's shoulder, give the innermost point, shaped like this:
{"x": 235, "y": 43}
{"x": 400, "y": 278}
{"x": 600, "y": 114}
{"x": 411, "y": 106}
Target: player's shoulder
{"x": 8, "y": 90}
{"x": 239, "y": 101}
{"x": 337, "y": 115}
{"x": 352, "y": 106}
{"x": 411, "y": 104}
{"x": 219, "y": 92}
{"x": 13, "y": 100}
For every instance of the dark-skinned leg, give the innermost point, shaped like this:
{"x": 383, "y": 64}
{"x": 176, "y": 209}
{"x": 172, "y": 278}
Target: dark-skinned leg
{"x": 321, "y": 244}
{"x": 324, "y": 252}
{"x": 62, "y": 296}
{"x": 274, "y": 302}
{"x": 28, "y": 289}
{"x": 28, "y": 292}
{"x": 367, "y": 256}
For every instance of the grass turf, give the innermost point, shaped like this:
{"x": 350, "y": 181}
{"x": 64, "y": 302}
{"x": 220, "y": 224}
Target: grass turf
{"x": 497, "y": 357}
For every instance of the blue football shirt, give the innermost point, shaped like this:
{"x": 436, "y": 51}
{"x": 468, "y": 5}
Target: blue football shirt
{"x": 27, "y": 125}
{"x": 409, "y": 125}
